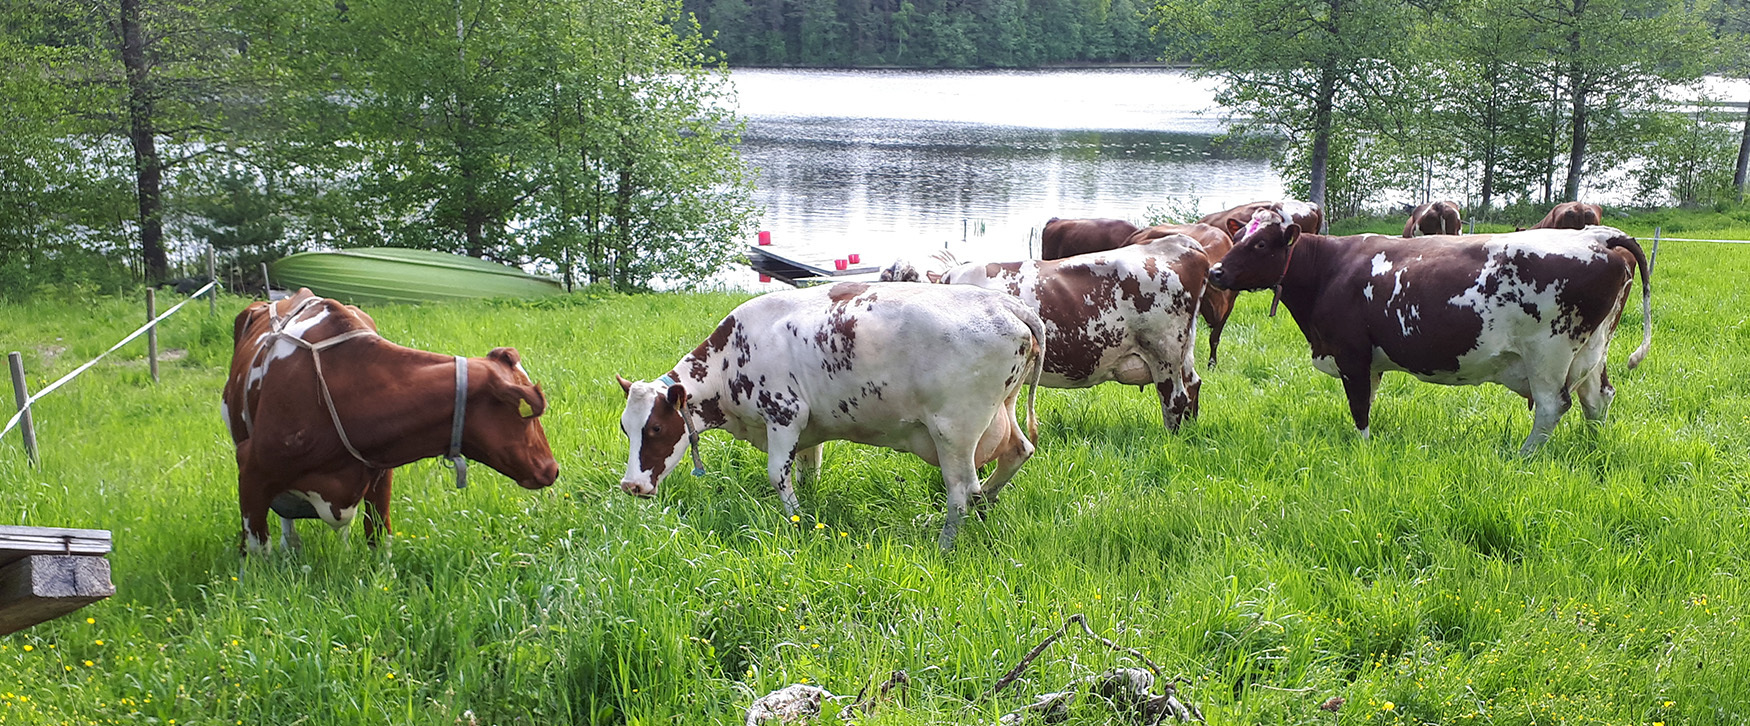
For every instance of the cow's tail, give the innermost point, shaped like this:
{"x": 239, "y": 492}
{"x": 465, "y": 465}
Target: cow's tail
{"x": 1634, "y": 248}
{"x": 1037, "y": 353}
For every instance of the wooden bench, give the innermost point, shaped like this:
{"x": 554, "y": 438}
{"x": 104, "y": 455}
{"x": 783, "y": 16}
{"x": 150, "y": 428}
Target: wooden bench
{"x": 47, "y": 572}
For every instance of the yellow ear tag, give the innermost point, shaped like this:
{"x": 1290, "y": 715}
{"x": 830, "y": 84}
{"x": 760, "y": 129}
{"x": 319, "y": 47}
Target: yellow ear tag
{"x": 525, "y": 409}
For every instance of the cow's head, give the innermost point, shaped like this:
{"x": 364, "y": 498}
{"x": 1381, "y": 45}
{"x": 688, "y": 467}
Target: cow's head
{"x": 1259, "y": 255}
{"x": 502, "y": 427}
{"x": 653, "y": 423}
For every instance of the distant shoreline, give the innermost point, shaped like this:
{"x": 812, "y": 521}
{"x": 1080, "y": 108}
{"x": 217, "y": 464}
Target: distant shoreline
{"x": 1050, "y": 67}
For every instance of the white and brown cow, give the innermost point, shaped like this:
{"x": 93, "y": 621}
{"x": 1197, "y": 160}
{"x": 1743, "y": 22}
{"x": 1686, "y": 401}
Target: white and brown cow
{"x": 1433, "y": 218}
{"x": 1533, "y": 311}
{"x": 1126, "y": 315}
{"x": 935, "y": 371}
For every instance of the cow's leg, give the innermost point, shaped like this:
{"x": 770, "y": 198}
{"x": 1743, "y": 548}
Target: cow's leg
{"x": 1216, "y": 306}
{"x": 808, "y": 465}
{"x": 289, "y": 540}
{"x": 1360, "y": 382}
{"x": 1549, "y": 403}
{"x": 780, "y": 464}
{"x": 957, "y": 454}
{"x": 1011, "y": 453}
{"x": 376, "y": 505}
{"x": 252, "y": 499}
{"x": 1174, "y": 369}
{"x": 1596, "y": 393}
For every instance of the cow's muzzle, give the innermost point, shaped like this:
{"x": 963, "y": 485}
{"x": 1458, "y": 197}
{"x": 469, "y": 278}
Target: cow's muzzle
{"x": 1217, "y": 277}
{"x": 640, "y": 489}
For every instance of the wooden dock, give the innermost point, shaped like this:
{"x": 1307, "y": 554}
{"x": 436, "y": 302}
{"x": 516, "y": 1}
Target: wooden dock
{"x": 47, "y": 572}
{"x": 797, "y": 269}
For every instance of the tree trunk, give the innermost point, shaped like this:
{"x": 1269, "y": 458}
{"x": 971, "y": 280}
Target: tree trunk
{"x": 148, "y": 168}
{"x": 1738, "y": 177}
{"x": 1322, "y": 135}
{"x": 1577, "y": 140}
{"x": 622, "y": 229}
{"x": 1577, "y": 82}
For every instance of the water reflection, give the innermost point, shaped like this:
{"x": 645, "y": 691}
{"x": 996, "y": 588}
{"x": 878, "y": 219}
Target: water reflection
{"x": 834, "y": 181}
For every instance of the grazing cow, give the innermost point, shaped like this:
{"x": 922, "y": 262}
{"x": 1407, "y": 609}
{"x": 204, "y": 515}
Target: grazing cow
{"x": 1217, "y": 303}
{"x": 1571, "y": 215}
{"x": 1070, "y": 237}
{"x": 1305, "y": 214}
{"x": 1126, "y": 315}
{"x": 1434, "y": 218}
{"x": 930, "y": 370}
{"x": 1533, "y": 311}
{"x": 322, "y": 409}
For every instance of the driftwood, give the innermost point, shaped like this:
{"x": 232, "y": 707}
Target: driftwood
{"x": 1126, "y": 690}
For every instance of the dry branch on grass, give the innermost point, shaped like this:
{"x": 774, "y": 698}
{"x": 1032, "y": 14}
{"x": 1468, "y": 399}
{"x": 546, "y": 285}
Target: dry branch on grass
{"x": 1126, "y": 690}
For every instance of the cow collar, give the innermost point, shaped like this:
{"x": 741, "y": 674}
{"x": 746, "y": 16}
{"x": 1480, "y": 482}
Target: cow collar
{"x": 1277, "y": 297}
{"x": 456, "y": 460}
{"x": 692, "y": 432}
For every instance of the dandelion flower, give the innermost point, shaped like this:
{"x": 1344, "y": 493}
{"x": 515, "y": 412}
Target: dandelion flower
{"x": 795, "y": 517}
{"x": 28, "y": 648}
{"x": 88, "y": 664}
{"x": 91, "y": 621}
{"x": 820, "y": 525}
{"x": 1389, "y": 706}
{"x": 100, "y": 642}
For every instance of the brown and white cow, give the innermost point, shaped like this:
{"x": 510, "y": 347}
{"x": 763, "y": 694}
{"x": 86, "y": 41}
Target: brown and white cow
{"x": 1533, "y": 311}
{"x": 1306, "y": 214}
{"x": 1217, "y": 303}
{"x": 935, "y": 371}
{"x": 1126, "y": 315}
{"x": 1571, "y": 215}
{"x": 322, "y": 409}
{"x": 1433, "y": 218}
{"x": 1070, "y": 237}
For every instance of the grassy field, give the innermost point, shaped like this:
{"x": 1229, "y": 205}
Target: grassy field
{"x": 1264, "y": 552}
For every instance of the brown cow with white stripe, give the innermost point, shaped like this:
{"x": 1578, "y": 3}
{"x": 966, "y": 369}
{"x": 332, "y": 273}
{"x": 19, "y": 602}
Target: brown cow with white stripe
{"x": 322, "y": 409}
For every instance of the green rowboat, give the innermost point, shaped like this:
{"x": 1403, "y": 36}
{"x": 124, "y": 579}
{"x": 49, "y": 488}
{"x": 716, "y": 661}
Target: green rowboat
{"x": 395, "y": 275}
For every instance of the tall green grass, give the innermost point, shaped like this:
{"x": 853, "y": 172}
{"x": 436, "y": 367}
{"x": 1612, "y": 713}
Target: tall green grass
{"x": 1264, "y": 552}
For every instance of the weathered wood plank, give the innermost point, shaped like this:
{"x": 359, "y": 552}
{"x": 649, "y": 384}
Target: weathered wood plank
{"x": 43, "y": 587}
{"x": 18, "y": 542}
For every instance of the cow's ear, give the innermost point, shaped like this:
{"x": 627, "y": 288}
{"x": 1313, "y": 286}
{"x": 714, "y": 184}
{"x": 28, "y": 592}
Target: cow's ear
{"x": 625, "y": 385}
{"x": 1291, "y": 235}
{"x": 1234, "y": 226}
{"x": 933, "y": 276}
{"x": 677, "y": 396}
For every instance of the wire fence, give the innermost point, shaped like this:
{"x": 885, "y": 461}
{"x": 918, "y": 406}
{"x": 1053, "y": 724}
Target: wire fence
{"x": 25, "y": 401}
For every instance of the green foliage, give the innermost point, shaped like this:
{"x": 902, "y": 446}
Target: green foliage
{"x": 925, "y": 33}
{"x": 1264, "y": 552}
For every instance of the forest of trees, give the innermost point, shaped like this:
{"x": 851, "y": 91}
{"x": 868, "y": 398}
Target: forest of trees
{"x": 1480, "y": 100}
{"x": 928, "y": 33}
{"x": 585, "y": 137}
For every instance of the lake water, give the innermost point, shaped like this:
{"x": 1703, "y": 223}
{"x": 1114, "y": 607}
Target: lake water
{"x": 891, "y": 163}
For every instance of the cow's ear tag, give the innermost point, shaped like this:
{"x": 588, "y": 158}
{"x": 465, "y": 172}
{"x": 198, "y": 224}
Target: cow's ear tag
{"x": 523, "y": 407}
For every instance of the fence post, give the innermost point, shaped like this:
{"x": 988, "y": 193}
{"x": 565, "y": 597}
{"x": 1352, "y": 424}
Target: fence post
{"x": 266, "y": 285}
{"x": 21, "y": 395}
{"x": 1654, "y": 258}
{"x": 213, "y": 279}
{"x": 152, "y": 333}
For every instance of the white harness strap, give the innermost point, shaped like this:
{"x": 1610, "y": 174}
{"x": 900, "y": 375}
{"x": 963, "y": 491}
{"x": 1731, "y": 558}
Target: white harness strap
{"x": 456, "y": 460}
